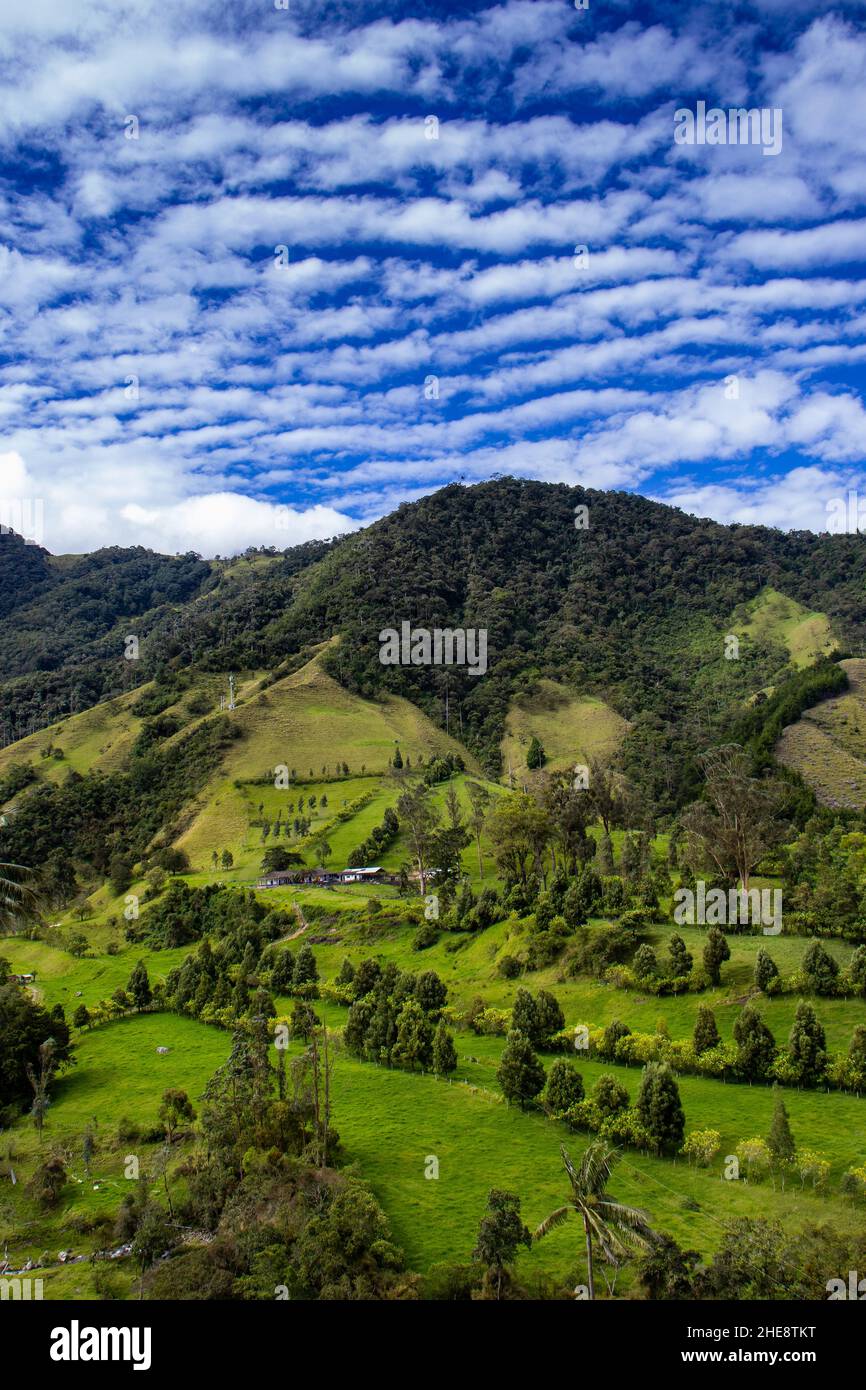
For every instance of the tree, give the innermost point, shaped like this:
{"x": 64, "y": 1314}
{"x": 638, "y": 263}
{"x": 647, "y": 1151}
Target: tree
{"x": 609, "y": 1096}
{"x": 283, "y": 971}
{"x": 40, "y": 1081}
{"x": 119, "y": 874}
{"x": 322, "y": 850}
{"x": 398, "y": 758}
{"x": 606, "y": 863}
{"x": 153, "y": 1238}
{"x": 479, "y": 800}
{"x": 535, "y": 754}
{"x": 19, "y": 905}
{"x": 520, "y": 1073}
{"x": 500, "y": 1235}
{"x": 227, "y": 859}
{"x": 820, "y": 969}
{"x": 756, "y": 1046}
{"x": 659, "y": 1107}
{"x": 616, "y": 1229}
{"x": 716, "y": 951}
{"x": 444, "y": 1051}
{"x": 414, "y": 1043}
{"x": 706, "y": 1034}
{"x": 276, "y": 859}
{"x": 304, "y": 1021}
{"x": 416, "y": 811}
{"x": 766, "y": 970}
{"x": 175, "y": 1109}
{"x": 857, "y": 1055}
{"x": 549, "y": 1018}
{"x": 519, "y": 830}
{"x": 346, "y": 974}
{"x": 607, "y": 795}
{"x": 306, "y": 970}
{"x": 736, "y": 822}
{"x": 81, "y": 1017}
{"x": 755, "y": 1154}
{"x": 564, "y": 1087}
{"x": 139, "y": 986}
{"x": 679, "y": 958}
{"x": 524, "y": 1015}
{"x": 780, "y": 1140}
{"x": 48, "y": 1181}
{"x": 702, "y": 1145}
{"x": 645, "y": 963}
{"x": 807, "y": 1046}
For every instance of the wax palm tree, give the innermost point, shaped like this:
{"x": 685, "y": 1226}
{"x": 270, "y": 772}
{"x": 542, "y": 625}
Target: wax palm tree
{"x": 615, "y": 1227}
{"x": 18, "y": 903}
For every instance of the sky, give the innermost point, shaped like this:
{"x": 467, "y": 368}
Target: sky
{"x": 270, "y": 268}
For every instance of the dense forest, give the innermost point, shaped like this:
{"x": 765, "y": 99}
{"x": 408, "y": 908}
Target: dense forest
{"x": 633, "y": 607}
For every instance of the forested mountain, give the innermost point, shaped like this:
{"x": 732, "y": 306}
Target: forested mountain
{"x": 634, "y": 607}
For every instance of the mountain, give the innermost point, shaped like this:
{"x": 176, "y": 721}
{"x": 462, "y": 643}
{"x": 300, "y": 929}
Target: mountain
{"x": 626, "y": 617}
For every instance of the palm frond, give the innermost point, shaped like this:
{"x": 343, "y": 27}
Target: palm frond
{"x": 551, "y": 1222}
{"x": 18, "y": 901}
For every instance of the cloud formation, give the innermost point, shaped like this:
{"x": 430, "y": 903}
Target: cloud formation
{"x": 266, "y": 273}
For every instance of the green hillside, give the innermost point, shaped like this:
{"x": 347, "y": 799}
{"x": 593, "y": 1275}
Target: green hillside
{"x": 570, "y": 729}
{"x": 827, "y": 746}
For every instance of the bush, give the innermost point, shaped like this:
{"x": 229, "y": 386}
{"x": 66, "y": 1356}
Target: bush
{"x": 425, "y": 937}
{"x": 510, "y": 967}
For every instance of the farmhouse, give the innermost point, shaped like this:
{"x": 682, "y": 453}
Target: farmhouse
{"x": 369, "y": 875}
{"x": 24, "y": 979}
{"x": 320, "y": 877}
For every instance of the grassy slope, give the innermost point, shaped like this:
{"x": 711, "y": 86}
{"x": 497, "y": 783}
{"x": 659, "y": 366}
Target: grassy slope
{"x": 828, "y": 745}
{"x": 571, "y": 728}
{"x": 391, "y": 1122}
{"x": 305, "y": 721}
{"x": 773, "y": 617}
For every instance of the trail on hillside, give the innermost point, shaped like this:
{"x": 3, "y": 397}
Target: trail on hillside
{"x": 303, "y": 921}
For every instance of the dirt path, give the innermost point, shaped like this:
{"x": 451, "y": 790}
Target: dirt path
{"x": 303, "y": 921}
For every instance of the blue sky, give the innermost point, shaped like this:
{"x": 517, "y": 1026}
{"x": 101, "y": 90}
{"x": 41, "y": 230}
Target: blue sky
{"x": 169, "y": 378}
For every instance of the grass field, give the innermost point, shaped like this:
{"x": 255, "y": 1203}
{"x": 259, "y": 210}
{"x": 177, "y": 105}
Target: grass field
{"x": 305, "y": 721}
{"x": 827, "y": 746}
{"x": 391, "y": 1123}
{"x": 571, "y": 729}
{"x": 773, "y": 617}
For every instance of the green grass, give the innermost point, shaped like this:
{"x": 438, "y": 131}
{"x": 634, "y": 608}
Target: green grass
{"x": 391, "y": 1123}
{"x": 61, "y": 978}
{"x": 773, "y": 617}
{"x": 827, "y": 746}
{"x": 118, "y": 1074}
{"x": 572, "y": 729}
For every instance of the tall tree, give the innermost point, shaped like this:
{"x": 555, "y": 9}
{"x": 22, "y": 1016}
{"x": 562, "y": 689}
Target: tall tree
{"x": 500, "y": 1235}
{"x": 479, "y": 800}
{"x": 19, "y": 905}
{"x": 417, "y": 813}
{"x": 520, "y": 1073}
{"x": 611, "y": 1225}
{"x": 659, "y": 1107}
{"x": 780, "y": 1140}
{"x": 735, "y": 824}
{"x": 807, "y": 1046}
{"x": 706, "y": 1034}
{"x": 756, "y": 1046}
